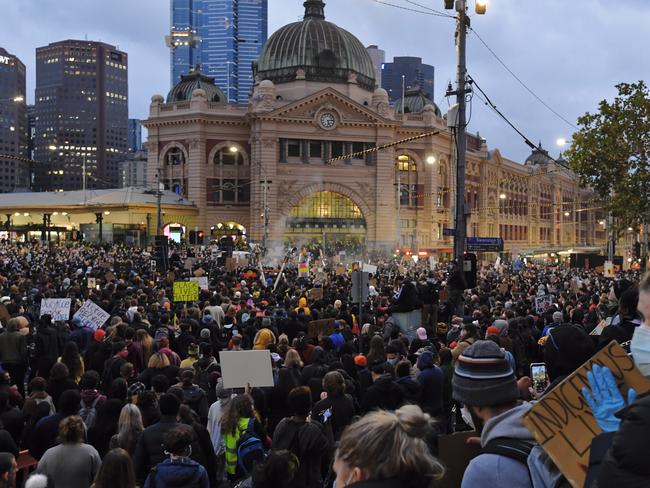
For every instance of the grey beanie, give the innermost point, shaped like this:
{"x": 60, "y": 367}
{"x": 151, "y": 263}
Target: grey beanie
{"x": 483, "y": 376}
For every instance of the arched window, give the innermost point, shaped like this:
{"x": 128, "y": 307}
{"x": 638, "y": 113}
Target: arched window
{"x": 229, "y": 156}
{"x": 175, "y": 157}
{"x": 225, "y": 186}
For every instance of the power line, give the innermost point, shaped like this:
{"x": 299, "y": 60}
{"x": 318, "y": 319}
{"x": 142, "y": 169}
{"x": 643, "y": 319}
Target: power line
{"x": 426, "y": 12}
{"x": 526, "y": 139}
{"x": 442, "y": 14}
{"x": 521, "y": 82}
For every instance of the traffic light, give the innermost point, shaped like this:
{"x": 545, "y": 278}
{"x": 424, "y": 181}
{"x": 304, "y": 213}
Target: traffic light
{"x": 637, "y": 250}
{"x": 199, "y": 238}
{"x": 192, "y": 238}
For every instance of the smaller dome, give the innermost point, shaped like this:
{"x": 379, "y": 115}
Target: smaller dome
{"x": 538, "y": 156}
{"x": 415, "y": 100}
{"x": 195, "y": 80}
{"x": 380, "y": 93}
{"x": 266, "y": 84}
{"x": 157, "y": 99}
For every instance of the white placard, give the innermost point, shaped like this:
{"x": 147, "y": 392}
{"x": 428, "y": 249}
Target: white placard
{"x": 241, "y": 367}
{"x": 91, "y": 283}
{"x": 58, "y": 308}
{"x": 202, "y": 281}
{"x": 92, "y": 315}
{"x": 369, "y": 268}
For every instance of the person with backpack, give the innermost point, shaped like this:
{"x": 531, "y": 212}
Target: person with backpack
{"x": 308, "y": 439}
{"x": 193, "y": 395}
{"x": 179, "y": 470}
{"x": 243, "y": 436}
{"x": 485, "y": 383}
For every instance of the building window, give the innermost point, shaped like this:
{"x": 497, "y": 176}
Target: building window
{"x": 175, "y": 157}
{"x": 230, "y": 191}
{"x": 338, "y": 149}
{"x": 294, "y": 148}
{"x": 316, "y": 149}
{"x": 229, "y": 158}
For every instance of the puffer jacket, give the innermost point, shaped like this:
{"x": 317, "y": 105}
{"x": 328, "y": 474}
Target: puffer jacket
{"x": 178, "y": 473}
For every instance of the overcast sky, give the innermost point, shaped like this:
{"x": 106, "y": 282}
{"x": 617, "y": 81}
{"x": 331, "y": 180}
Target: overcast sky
{"x": 571, "y": 53}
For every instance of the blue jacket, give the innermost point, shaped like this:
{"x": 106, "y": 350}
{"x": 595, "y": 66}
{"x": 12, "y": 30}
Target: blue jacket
{"x": 337, "y": 339}
{"x": 431, "y": 379}
{"x": 178, "y": 473}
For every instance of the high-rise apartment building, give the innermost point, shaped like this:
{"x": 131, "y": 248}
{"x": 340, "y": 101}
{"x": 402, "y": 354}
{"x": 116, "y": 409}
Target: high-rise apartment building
{"x": 378, "y": 57}
{"x": 81, "y": 115}
{"x": 222, "y": 37}
{"x": 135, "y": 135}
{"x": 416, "y": 75}
{"x": 14, "y": 167}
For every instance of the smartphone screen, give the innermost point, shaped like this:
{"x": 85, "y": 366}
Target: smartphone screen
{"x": 539, "y": 377}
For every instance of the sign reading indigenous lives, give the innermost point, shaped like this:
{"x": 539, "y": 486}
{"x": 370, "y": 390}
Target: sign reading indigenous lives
{"x": 92, "y": 315}
{"x": 186, "y": 291}
{"x": 562, "y": 421}
{"x": 58, "y": 308}
{"x": 239, "y": 368}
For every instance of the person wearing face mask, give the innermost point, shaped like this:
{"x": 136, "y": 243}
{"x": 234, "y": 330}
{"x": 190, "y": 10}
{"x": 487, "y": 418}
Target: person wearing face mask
{"x": 431, "y": 380}
{"x": 619, "y": 455}
{"x": 387, "y": 450}
{"x": 468, "y": 336}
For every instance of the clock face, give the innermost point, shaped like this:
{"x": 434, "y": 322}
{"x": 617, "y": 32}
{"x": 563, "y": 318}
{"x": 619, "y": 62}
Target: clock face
{"x": 327, "y": 120}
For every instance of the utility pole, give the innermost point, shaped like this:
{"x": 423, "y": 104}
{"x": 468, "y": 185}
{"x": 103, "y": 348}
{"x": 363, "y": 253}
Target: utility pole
{"x": 83, "y": 179}
{"x": 158, "y": 203}
{"x": 399, "y": 205}
{"x": 461, "y": 143}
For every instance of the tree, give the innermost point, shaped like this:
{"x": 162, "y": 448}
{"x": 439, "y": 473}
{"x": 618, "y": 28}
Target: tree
{"x": 610, "y": 152}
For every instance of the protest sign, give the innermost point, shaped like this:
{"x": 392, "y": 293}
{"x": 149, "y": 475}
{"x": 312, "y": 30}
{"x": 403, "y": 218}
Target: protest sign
{"x": 231, "y": 264}
{"x": 186, "y": 291}
{"x": 202, "y": 281}
{"x": 91, "y": 315}
{"x": 340, "y": 270}
{"x": 543, "y": 303}
{"x": 455, "y": 455}
{"x": 189, "y": 263}
{"x": 316, "y": 293}
{"x": 241, "y": 367}
{"x": 110, "y": 276}
{"x": 91, "y": 283}
{"x": 369, "y": 268}
{"x": 303, "y": 270}
{"x": 58, "y": 308}
{"x": 321, "y": 327}
{"x": 199, "y": 272}
{"x": 562, "y": 422}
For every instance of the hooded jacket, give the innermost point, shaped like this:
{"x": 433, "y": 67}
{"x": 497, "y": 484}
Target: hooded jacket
{"x": 263, "y": 338}
{"x": 490, "y": 470}
{"x": 431, "y": 379}
{"x": 179, "y": 473}
{"x": 384, "y": 393}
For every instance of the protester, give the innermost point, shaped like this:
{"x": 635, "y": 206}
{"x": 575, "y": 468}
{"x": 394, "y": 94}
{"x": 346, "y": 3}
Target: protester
{"x": 116, "y": 471}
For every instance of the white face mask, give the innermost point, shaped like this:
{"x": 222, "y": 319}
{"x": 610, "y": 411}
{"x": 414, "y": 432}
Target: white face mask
{"x": 640, "y": 349}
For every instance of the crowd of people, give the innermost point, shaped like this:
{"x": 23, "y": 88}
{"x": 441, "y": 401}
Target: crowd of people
{"x": 363, "y": 403}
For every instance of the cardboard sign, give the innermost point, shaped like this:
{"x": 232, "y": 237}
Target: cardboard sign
{"x": 91, "y": 283}
{"x": 542, "y": 304}
{"x": 199, "y": 272}
{"x": 58, "y": 308}
{"x": 110, "y": 276}
{"x": 562, "y": 422}
{"x": 231, "y": 264}
{"x": 241, "y": 367}
{"x": 202, "y": 281}
{"x": 455, "y": 455}
{"x": 186, "y": 291}
{"x": 189, "y": 263}
{"x": 92, "y": 315}
{"x": 316, "y": 293}
{"x": 321, "y": 327}
{"x": 369, "y": 268}
{"x": 340, "y": 270}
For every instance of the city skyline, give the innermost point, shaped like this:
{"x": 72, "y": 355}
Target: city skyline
{"x": 565, "y": 59}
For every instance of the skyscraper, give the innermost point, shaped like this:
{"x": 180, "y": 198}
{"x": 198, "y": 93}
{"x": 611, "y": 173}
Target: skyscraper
{"x": 416, "y": 74}
{"x": 135, "y": 135}
{"x": 14, "y": 169}
{"x": 81, "y": 114}
{"x": 222, "y": 37}
{"x": 378, "y": 57}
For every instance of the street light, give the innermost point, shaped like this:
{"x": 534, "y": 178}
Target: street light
{"x": 566, "y": 214}
{"x": 431, "y": 159}
{"x": 503, "y": 196}
{"x": 233, "y": 149}
{"x": 561, "y": 141}
{"x": 481, "y": 7}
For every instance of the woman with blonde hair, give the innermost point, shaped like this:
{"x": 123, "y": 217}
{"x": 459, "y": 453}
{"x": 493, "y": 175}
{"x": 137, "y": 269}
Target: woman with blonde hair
{"x": 129, "y": 428}
{"x": 159, "y": 364}
{"x": 387, "y": 450}
{"x": 144, "y": 343}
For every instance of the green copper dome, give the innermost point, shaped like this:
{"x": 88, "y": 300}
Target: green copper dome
{"x": 322, "y": 50}
{"x": 182, "y": 91}
{"x": 415, "y": 100}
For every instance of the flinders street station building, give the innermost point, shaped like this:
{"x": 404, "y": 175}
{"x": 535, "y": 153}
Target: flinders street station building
{"x": 316, "y": 156}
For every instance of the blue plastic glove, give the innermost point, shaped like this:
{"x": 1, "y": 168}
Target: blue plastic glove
{"x": 605, "y": 399}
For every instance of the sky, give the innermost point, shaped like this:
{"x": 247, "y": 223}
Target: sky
{"x": 570, "y": 53}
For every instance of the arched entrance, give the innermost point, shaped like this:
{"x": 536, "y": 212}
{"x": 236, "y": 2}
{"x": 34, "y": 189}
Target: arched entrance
{"x": 233, "y": 230}
{"x": 326, "y": 217}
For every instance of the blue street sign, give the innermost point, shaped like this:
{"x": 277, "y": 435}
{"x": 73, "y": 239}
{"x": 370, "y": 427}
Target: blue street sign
{"x": 484, "y": 244}
{"x": 448, "y": 232}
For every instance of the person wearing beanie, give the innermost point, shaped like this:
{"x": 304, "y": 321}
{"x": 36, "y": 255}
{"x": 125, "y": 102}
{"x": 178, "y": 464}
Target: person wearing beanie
{"x": 567, "y": 348}
{"x": 421, "y": 341}
{"x": 485, "y": 383}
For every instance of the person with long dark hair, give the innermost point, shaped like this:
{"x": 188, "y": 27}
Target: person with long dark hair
{"x": 116, "y": 471}
{"x": 73, "y": 360}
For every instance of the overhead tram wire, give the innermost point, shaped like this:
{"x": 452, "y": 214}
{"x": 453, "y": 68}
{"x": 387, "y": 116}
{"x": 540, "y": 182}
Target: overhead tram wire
{"x": 523, "y": 136}
{"x": 519, "y": 80}
{"x": 442, "y": 14}
{"x": 409, "y": 9}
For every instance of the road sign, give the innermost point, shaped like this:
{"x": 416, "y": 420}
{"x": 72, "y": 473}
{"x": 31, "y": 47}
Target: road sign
{"x": 448, "y": 232}
{"x": 484, "y": 244}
